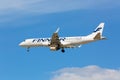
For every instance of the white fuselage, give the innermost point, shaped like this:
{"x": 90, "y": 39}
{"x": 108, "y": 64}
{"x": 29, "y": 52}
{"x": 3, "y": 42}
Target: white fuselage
{"x": 65, "y": 41}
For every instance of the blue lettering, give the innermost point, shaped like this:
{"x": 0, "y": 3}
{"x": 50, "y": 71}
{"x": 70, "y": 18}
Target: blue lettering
{"x": 98, "y": 29}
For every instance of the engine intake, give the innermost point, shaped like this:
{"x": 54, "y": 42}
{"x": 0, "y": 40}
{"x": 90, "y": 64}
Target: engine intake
{"x": 54, "y": 47}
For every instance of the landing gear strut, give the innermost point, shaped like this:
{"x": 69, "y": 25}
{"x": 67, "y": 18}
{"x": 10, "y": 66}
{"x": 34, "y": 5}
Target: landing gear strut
{"x": 28, "y": 49}
{"x": 62, "y": 50}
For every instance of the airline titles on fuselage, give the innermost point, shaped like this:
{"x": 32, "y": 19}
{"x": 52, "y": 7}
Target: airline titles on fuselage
{"x": 46, "y": 39}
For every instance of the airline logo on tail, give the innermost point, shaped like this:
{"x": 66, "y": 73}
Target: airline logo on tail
{"x": 98, "y": 29}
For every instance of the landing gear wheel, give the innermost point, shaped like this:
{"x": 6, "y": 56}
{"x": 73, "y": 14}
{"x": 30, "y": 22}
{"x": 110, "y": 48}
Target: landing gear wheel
{"x": 62, "y": 50}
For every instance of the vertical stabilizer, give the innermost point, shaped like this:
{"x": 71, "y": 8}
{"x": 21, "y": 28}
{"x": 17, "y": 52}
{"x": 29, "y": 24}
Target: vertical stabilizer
{"x": 97, "y": 33}
{"x": 99, "y": 29}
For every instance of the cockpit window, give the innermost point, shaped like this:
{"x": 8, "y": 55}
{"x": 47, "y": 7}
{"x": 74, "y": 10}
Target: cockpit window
{"x": 24, "y": 40}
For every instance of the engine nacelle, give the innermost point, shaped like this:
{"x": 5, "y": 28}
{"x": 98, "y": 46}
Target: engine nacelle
{"x": 54, "y": 47}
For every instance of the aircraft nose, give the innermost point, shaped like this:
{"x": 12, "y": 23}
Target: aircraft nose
{"x": 21, "y": 44}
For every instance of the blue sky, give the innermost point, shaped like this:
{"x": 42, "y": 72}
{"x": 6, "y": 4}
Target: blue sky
{"x": 21, "y": 19}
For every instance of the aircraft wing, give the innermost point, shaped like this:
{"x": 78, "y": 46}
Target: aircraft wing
{"x": 70, "y": 45}
{"x": 55, "y": 42}
{"x": 73, "y": 46}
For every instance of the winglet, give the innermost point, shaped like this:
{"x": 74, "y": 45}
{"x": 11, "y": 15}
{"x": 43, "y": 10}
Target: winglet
{"x": 57, "y": 30}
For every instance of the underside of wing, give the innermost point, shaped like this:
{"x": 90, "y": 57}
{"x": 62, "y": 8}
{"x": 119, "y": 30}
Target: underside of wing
{"x": 72, "y": 46}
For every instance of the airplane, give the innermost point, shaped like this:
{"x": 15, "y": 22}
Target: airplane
{"x": 56, "y": 43}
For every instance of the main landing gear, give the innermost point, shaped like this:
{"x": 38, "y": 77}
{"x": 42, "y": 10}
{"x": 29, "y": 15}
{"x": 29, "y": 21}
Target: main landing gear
{"x": 62, "y": 50}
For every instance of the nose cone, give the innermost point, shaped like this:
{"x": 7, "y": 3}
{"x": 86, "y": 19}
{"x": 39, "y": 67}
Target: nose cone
{"x": 21, "y": 44}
